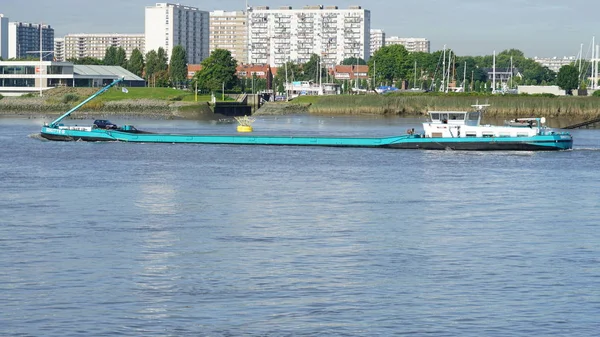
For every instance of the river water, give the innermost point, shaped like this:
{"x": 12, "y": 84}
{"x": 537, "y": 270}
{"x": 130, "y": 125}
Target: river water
{"x": 219, "y": 240}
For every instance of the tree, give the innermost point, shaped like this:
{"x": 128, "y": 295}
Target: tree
{"x": 218, "y": 70}
{"x": 136, "y": 62}
{"x": 151, "y": 67}
{"x": 310, "y": 69}
{"x": 121, "y": 57}
{"x": 568, "y": 78}
{"x": 350, "y": 61}
{"x": 293, "y": 74}
{"x": 110, "y": 56}
{"x": 178, "y": 65}
{"x": 392, "y": 63}
{"x": 162, "y": 59}
{"x": 86, "y": 61}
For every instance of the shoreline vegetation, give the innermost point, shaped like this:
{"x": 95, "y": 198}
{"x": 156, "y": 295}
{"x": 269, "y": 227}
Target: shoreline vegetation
{"x": 167, "y": 103}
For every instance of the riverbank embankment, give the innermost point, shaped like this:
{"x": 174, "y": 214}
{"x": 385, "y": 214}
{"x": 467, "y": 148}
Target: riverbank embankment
{"x": 509, "y": 106}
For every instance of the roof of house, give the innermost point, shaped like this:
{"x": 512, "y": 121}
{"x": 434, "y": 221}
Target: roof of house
{"x": 95, "y": 70}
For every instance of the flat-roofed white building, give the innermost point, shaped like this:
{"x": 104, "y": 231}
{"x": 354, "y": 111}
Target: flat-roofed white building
{"x": 168, "y": 25}
{"x": 555, "y": 63}
{"x": 377, "y": 40}
{"x": 3, "y": 36}
{"x": 24, "y": 77}
{"x": 412, "y": 44}
{"x": 59, "y": 49}
{"x": 228, "y": 30}
{"x": 95, "y": 45}
{"x": 285, "y": 34}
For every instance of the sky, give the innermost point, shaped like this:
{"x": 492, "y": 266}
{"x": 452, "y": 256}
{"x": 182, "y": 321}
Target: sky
{"x": 542, "y": 28}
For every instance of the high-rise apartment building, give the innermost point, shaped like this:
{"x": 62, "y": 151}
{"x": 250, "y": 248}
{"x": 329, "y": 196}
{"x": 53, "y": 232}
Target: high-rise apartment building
{"x": 377, "y": 40}
{"x": 168, "y": 25}
{"x": 95, "y": 45}
{"x": 59, "y": 49}
{"x": 285, "y": 34}
{"x": 28, "y": 39}
{"x": 228, "y": 30}
{"x": 3, "y": 37}
{"x": 412, "y": 44}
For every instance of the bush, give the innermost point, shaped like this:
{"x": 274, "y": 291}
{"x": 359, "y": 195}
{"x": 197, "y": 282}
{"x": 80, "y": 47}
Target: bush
{"x": 1, "y": 97}
{"x": 596, "y": 93}
{"x": 29, "y": 95}
{"x": 68, "y": 98}
{"x": 176, "y": 98}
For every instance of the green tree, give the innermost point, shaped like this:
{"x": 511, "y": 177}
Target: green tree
{"x": 178, "y": 65}
{"x": 218, "y": 70}
{"x": 350, "y": 61}
{"x": 293, "y": 72}
{"x": 392, "y": 64}
{"x": 86, "y": 61}
{"x": 162, "y": 59}
{"x": 310, "y": 69}
{"x": 568, "y": 78}
{"x": 136, "y": 62}
{"x": 121, "y": 57}
{"x": 110, "y": 56}
{"x": 151, "y": 67}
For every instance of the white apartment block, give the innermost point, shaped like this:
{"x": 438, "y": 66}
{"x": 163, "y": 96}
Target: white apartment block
{"x": 555, "y": 63}
{"x": 95, "y": 45}
{"x": 285, "y": 34}
{"x": 3, "y": 37}
{"x": 228, "y": 30}
{"x": 412, "y": 44}
{"x": 59, "y": 49}
{"x": 168, "y": 25}
{"x": 377, "y": 40}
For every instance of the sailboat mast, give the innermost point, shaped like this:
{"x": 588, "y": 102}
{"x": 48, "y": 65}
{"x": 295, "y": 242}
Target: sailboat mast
{"x": 464, "y": 76}
{"x": 494, "y": 73}
{"x": 443, "y": 69}
{"x": 595, "y": 86}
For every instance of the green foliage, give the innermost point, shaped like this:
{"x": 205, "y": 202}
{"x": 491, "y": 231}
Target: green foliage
{"x": 596, "y": 93}
{"x": 162, "y": 59}
{"x": 1, "y": 96}
{"x": 176, "y": 98}
{"x": 350, "y": 61}
{"x": 110, "y": 56}
{"x": 392, "y": 64}
{"x": 568, "y": 78}
{"x": 68, "y": 98}
{"x": 310, "y": 69}
{"x": 86, "y": 61}
{"x": 147, "y": 93}
{"x": 121, "y": 57}
{"x": 218, "y": 70}
{"x": 151, "y": 65}
{"x": 136, "y": 63}
{"x": 178, "y": 65}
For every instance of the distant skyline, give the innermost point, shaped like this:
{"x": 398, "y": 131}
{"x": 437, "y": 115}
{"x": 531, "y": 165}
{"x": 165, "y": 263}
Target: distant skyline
{"x": 542, "y": 28}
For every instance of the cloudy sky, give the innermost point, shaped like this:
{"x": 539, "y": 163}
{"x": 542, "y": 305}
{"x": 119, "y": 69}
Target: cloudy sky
{"x": 543, "y": 28}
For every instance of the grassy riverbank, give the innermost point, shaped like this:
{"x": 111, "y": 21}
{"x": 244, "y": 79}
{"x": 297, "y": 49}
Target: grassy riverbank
{"x": 416, "y": 104}
{"x": 173, "y": 103}
{"x": 143, "y": 102}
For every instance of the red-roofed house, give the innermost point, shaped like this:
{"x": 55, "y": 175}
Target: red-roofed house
{"x": 350, "y": 72}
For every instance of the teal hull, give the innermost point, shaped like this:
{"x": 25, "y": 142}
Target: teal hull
{"x": 551, "y": 142}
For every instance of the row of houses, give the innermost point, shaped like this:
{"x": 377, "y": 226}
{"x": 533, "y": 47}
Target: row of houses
{"x": 263, "y": 71}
